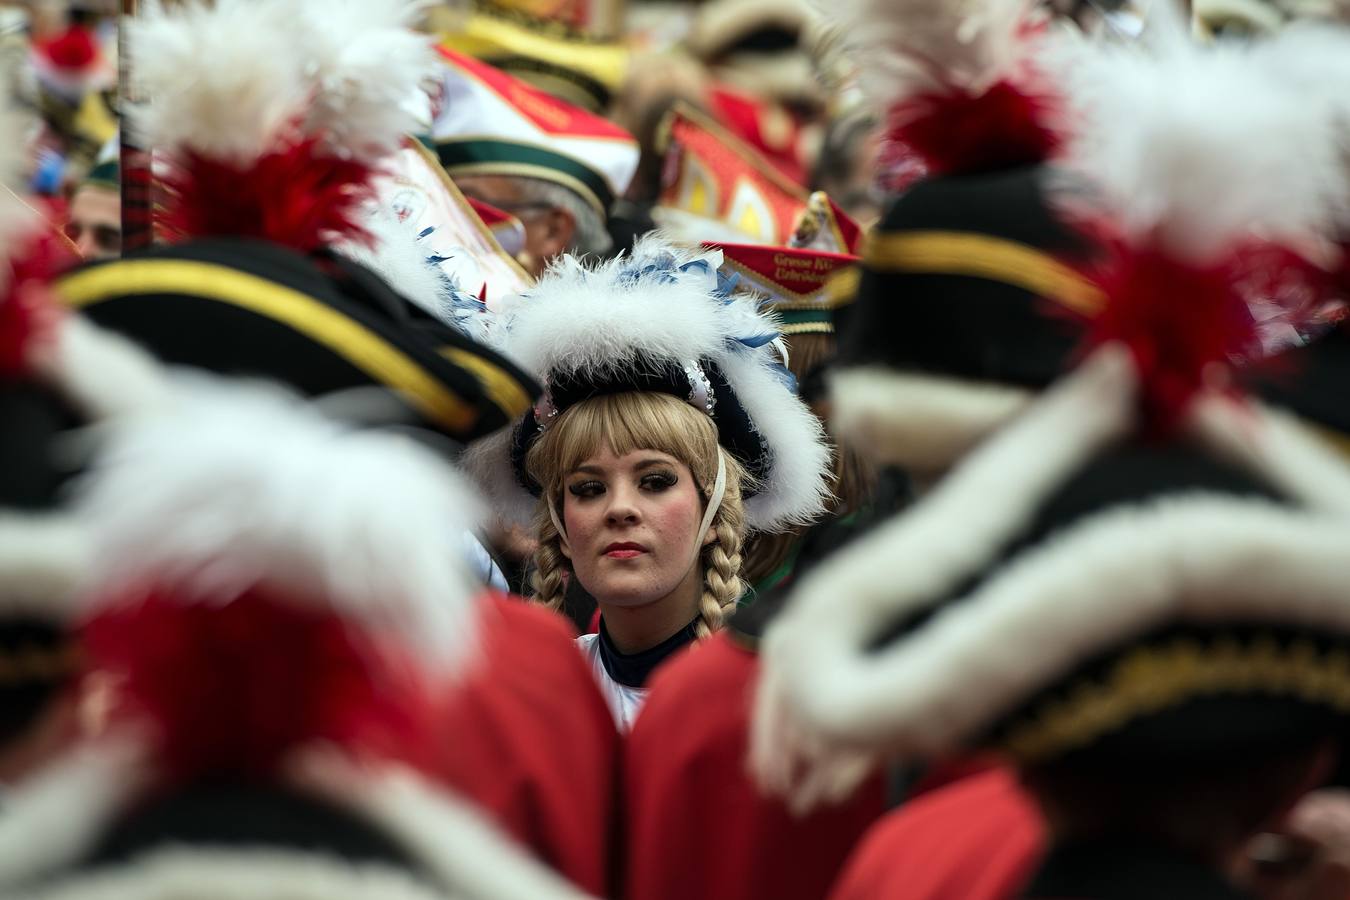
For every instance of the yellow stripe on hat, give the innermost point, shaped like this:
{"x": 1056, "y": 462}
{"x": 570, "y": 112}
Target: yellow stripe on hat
{"x": 501, "y": 388}
{"x": 983, "y": 256}
{"x": 349, "y": 339}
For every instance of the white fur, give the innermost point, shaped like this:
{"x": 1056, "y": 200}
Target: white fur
{"x": 450, "y": 838}
{"x": 221, "y": 873}
{"x": 950, "y": 534}
{"x": 221, "y": 79}
{"x": 57, "y": 814}
{"x": 369, "y": 68}
{"x": 1118, "y": 574}
{"x": 400, "y": 258}
{"x": 43, "y": 560}
{"x": 587, "y": 319}
{"x": 1278, "y": 446}
{"x": 1203, "y": 146}
{"x": 923, "y": 423}
{"x": 101, "y": 373}
{"x": 240, "y": 485}
{"x": 795, "y": 490}
{"x": 902, "y": 48}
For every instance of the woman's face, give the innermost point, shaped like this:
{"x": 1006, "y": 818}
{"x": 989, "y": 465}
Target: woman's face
{"x": 631, "y": 523}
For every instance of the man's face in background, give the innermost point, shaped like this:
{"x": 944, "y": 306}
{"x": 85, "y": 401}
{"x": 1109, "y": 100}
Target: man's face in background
{"x": 95, "y": 223}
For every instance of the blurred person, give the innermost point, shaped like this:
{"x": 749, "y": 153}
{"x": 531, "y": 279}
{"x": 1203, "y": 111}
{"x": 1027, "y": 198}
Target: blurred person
{"x": 1139, "y": 798}
{"x": 94, "y": 214}
{"x": 555, "y": 167}
{"x": 847, "y": 167}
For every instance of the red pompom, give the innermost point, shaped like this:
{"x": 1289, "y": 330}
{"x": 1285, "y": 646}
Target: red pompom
{"x": 956, "y": 132}
{"x": 1183, "y": 322}
{"x": 231, "y": 688}
{"x": 297, "y": 196}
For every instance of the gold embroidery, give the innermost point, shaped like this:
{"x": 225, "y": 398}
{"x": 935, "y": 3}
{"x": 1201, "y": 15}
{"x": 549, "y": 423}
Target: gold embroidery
{"x": 1154, "y": 678}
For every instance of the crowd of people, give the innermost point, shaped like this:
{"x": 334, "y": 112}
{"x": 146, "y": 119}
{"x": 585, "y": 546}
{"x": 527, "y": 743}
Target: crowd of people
{"x": 724, "y": 450}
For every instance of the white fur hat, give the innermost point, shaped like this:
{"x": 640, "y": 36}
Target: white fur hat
{"x": 659, "y": 320}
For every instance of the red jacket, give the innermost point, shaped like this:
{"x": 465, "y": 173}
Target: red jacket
{"x": 533, "y": 743}
{"x": 695, "y": 826}
{"x": 980, "y": 838}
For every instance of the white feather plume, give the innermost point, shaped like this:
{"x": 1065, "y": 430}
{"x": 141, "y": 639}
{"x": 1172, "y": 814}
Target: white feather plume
{"x": 369, "y": 67}
{"x": 600, "y": 319}
{"x": 1206, "y": 145}
{"x": 222, "y": 80}
{"x": 902, "y": 48}
{"x": 242, "y": 485}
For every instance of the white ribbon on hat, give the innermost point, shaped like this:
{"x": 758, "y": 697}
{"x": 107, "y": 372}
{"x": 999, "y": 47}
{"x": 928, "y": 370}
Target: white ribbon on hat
{"x": 714, "y": 504}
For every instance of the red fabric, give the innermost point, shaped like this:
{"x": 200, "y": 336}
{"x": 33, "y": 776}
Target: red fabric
{"x": 28, "y": 314}
{"x": 296, "y": 196}
{"x": 532, "y": 742}
{"x": 958, "y": 133}
{"x": 748, "y": 118}
{"x": 73, "y": 49}
{"x": 230, "y": 688}
{"x": 695, "y": 825}
{"x": 977, "y": 839}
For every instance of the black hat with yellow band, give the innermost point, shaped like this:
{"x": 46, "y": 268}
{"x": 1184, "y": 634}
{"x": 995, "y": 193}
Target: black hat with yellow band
{"x": 968, "y": 300}
{"x": 320, "y": 324}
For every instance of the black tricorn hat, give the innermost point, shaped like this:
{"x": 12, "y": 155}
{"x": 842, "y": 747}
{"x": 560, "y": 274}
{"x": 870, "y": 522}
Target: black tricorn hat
{"x": 1115, "y": 597}
{"x": 320, "y": 324}
{"x": 969, "y": 300}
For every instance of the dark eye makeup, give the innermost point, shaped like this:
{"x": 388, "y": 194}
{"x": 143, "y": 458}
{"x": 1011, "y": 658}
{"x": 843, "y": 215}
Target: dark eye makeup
{"x": 586, "y": 489}
{"x": 658, "y": 481}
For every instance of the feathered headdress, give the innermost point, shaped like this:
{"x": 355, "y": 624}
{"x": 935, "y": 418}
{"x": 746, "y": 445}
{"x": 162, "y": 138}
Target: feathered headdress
{"x": 661, "y": 319}
{"x": 273, "y": 114}
{"x": 1217, "y": 180}
{"x": 956, "y": 80}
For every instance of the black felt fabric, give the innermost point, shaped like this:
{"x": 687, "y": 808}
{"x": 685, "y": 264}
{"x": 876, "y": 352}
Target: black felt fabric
{"x": 960, "y": 325}
{"x": 195, "y": 328}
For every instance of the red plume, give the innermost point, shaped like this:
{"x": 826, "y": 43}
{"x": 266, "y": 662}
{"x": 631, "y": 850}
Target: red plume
{"x": 299, "y": 196}
{"x": 231, "y": 688}
{"x": 1180, "y": 320}
{"x": 957, "y": 132}
{"x": 28, "y": 315}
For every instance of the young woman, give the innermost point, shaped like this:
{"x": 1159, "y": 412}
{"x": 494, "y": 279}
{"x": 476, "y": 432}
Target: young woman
{"x": 668, "y": 431}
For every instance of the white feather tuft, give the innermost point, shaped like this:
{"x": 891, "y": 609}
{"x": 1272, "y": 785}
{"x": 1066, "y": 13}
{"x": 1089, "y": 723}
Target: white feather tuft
{"x": 369, "y": 68}
{"x": 43, "y": 560}
{"x": 220, "y": 873}
{"x": 55, "y": 816}
{"x": 222, "y": 80}
{"x": 913, "y": 46}
{"x": 243, "y": 485}
{"x": 1204, "y": 146}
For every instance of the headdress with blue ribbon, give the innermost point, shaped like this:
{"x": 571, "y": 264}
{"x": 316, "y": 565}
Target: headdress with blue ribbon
{"x": 662, "y": 319}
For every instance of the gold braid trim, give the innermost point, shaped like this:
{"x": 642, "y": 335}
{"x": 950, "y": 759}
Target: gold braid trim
{"x": 1151, "y": 679}
{"x": 30, "y": 664}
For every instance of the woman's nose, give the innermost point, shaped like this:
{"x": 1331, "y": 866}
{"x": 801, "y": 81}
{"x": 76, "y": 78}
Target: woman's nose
{"x": 623, "y": 506}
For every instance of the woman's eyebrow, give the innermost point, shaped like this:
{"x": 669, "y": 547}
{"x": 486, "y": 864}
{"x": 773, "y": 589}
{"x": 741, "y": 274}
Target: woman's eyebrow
{"x": 652, "y": 461}
{"x": 588, "y": 470}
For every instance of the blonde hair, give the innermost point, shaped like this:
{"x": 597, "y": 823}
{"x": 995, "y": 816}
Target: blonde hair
{"x": 641, "y": 421}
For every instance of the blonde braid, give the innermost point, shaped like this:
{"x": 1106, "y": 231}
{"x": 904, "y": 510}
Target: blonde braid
{"x": 722, "y": 584}
{"x": 550, "y": 565}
